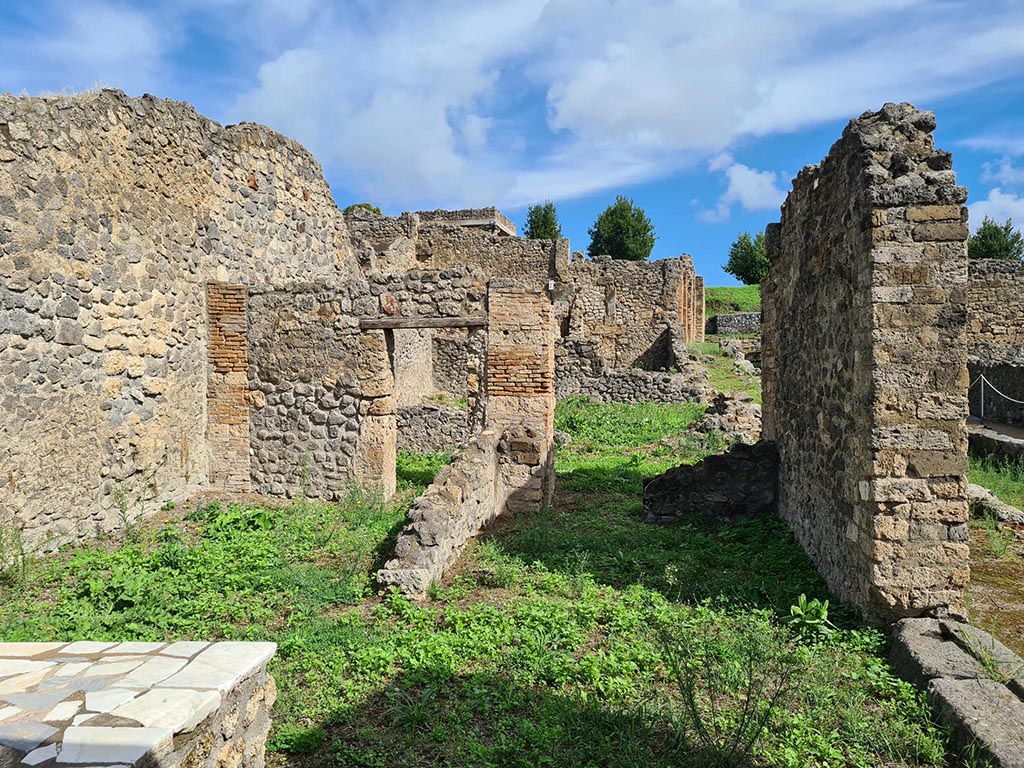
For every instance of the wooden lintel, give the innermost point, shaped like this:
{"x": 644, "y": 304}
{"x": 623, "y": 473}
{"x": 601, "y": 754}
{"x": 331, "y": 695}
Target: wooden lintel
{"x": 378, "y": 323}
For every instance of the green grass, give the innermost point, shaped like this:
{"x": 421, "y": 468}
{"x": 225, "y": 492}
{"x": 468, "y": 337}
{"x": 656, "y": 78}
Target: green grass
{"x": 727, "y": 299}
{"x": 722, "y": 373}
{"x": 576, "y": 636}
{"x": 1004, "y": 478}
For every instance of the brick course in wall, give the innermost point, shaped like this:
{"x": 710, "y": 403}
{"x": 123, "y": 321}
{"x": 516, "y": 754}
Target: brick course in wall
{"x": 864, "y": 367}
{"x": 227, "y": 387}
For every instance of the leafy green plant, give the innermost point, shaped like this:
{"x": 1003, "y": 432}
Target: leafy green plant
{"x": 732, "y": 678}
{"x": 809, "y": 618}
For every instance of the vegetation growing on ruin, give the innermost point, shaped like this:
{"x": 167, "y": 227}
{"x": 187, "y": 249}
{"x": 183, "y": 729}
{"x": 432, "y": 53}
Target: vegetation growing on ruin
{"x": 721, "y": 300}
{"x": 562, "y": 638}
{"x": 1004, "y": 478}
{"x": 723, "y": 374}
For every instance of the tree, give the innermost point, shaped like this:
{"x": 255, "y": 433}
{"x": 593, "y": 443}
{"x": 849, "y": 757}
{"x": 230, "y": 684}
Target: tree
{"x": 542, "y": 222}
{"x": 623, "y": 231}
{"x": 747, "y": 262}
{"x": 995, "y": 241}
{"x": 368, "y": 206}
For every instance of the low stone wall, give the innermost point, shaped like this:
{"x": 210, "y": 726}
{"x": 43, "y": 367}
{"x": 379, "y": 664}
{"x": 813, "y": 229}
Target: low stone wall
{"x": 983, "y": 441}
{"x": 739, "y": 483}
{"x": 738, "y": 322}
{"x": 1004, "y": 386}
{"x": 580, "y": 370}
{"x": 195, "y": 704}
{"x": 432, "y": 428}
{"x": 484, "y": 480}
{"x": 974, "y": 683}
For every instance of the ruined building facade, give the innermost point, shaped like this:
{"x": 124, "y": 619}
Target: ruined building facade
{"x": 184, "y": 307}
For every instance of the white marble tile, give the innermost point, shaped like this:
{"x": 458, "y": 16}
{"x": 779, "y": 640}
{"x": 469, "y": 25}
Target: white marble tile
{"x": 79, "y": 719}
{"x": 106, "y": 700}
{"x": 22, "y": 683}
{"x": 112, "y": 667}
{"x": 152, "y": 672}
{"x": 85, "y": 646}
{"x": 72, "y": 669}
{"x": 136, "y": 647}
{"x": 63, "y": 711}
{"x": 27, "y": 650}
{"x": 221, "y": 666}
{"x": 10, "y": 667}
{"x": 6, "y": 712}
{"x": 83, "y": 744}
{"x": 183, "y": 648}
{"x": 179, "y": 709}
{"x": 37, "y": 756}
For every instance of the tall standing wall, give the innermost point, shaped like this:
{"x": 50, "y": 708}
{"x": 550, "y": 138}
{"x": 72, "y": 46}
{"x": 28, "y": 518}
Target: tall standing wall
{"x": 114, "y": 215}
{"x": 864, "y": 365}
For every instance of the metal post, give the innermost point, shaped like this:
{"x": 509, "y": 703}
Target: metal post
{"x": 982, "y": 398}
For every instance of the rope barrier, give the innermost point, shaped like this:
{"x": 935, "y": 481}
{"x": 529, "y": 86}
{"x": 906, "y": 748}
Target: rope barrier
{"x": 994, "y": 389}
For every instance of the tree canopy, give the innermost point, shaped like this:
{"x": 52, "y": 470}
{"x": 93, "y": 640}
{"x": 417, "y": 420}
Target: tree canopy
{"x": 368, "y": 206}
{"x": 623, "y": 231}
{"x": 542, "y": 222}
{"x": 747, "y": 262}
{"x": 996, "y": 241}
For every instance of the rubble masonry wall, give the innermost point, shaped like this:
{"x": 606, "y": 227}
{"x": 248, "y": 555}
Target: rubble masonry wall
{"x": 864, "y": 367}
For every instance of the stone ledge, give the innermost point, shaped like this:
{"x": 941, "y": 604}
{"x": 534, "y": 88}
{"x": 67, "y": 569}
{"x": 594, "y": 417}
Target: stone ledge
{"x": 154, "y": 704}
{"x": 973, "y": 683}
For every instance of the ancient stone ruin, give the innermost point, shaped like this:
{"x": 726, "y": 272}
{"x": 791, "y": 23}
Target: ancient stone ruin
{"x": 216, "y": 323}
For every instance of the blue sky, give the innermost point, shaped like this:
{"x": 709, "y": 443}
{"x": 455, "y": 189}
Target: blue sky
{"x": 701, "y": 111}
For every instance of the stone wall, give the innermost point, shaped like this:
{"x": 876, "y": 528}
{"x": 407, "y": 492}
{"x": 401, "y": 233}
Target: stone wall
{"x": 314, "y": 377}
{"x": 443, "y": 239}
{"x": 432, "y": 428}
{"x": 864, "y": 367}
{"x": 103, "y": 323}
{"x": 488, "y": 219}
{"x": 996, "y": 338}
{"x": 995, "y": 302}
{"x": 450, "y": 362}
{"x": 464, "y": 497}
{"x": 624, "y": 307}
{"x": 735, "y": 323}
{"x": 176, "y": 705}
{"x": 580, "y": 370}
{"x": 413, "y": 361}
{"x": 736, "y": 484}
{"x": 322, "y": 388}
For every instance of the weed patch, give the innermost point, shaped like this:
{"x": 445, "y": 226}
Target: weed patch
{"x": 570, "y": 637}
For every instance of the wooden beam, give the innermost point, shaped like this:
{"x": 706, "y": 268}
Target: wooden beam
{"x": 379, "y": 323}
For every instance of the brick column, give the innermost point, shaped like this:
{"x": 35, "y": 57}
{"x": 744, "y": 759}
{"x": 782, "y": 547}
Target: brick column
{"x": 521, "y": 389}
{"x": 227, "y": 389}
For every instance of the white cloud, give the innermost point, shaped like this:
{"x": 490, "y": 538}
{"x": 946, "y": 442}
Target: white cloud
{"x": 753, "y": 190}
{"x": 1010, "y": 145}
{"x": 457, "y": 102}
{"x": 1003, "y": 172}
{"x": 998, "y": 206}
{"x": 84, "y": 44}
